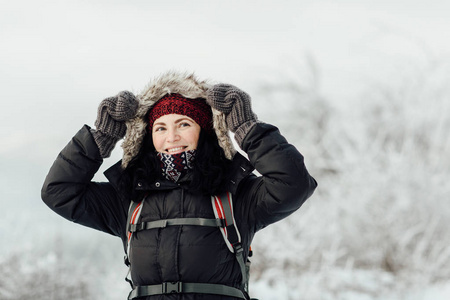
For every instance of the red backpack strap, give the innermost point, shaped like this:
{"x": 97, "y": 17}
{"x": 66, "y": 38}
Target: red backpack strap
{"x": 134, "y": 212}
{"x": 133, "y": 216}
{"x": 223, "y": 209}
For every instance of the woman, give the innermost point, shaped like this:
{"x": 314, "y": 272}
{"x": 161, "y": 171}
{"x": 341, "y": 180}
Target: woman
{"x": 177, "y": 155}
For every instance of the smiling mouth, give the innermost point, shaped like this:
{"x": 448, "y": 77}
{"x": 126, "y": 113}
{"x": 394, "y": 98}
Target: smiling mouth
{"x": 176, "y": 149}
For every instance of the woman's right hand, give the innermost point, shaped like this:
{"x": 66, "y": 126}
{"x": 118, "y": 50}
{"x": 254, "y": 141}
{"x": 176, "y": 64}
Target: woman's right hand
{"x": 112, "y": 114}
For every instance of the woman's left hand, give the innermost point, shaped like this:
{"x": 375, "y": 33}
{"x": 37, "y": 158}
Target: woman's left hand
{"x": 234, "y": 103}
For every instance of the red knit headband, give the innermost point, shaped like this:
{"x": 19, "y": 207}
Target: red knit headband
{"x": 196, "y": 109}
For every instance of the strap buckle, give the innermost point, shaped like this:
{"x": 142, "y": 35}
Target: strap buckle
{"x": 136, "y": 227}
{"x": 238, "y": 248}
{"x": 164, "y": 223}
{"x": 172, "y": 287}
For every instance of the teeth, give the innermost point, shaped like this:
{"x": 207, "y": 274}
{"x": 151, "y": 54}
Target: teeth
{"x": 175, "y": 149}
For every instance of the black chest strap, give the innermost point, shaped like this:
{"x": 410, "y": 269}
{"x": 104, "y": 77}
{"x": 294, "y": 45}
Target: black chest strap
{"x": 179, "y": 221}
{"x": 183, "y": 287}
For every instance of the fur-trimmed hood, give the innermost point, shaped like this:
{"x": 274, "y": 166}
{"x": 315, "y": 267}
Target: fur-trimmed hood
{"x": 168, "y": 83}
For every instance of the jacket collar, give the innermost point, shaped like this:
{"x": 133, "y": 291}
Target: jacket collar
{"x": 240, "y": 168}
{"x": 114, "y": 173}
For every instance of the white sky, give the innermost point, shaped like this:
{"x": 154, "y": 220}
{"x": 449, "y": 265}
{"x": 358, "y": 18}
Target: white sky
{"x": 59, "y": 59}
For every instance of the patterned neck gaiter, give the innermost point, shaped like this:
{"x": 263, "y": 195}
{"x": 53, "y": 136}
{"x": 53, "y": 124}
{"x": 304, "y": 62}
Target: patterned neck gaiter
{"x": 176, "y": 165}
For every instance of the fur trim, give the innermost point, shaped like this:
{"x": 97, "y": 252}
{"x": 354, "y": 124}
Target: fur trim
{"x": 171, "y": 82}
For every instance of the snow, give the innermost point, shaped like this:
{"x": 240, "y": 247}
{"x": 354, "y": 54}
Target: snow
{"x": 348, "y": 285}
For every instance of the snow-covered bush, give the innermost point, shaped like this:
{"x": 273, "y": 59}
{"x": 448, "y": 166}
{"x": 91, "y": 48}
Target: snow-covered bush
{"x": 30, "y": 276}
{"x": 66, "y": 262}
{"x": 382, "y": 201}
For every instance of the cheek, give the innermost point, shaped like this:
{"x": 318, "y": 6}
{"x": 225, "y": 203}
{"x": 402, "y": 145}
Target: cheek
{"x": 194, "y": 138}
{"x": 157, "y": 143}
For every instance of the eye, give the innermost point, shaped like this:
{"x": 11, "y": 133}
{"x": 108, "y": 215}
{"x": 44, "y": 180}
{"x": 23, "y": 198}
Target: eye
{"x": 184, "y": 124}
{"x": 159, "y": 129}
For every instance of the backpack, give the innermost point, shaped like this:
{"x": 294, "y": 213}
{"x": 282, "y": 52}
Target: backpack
{"x": 223, "y": 210}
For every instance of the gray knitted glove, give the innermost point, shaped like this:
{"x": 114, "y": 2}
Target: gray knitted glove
{"x": 111, "y": 116}
{"x": 236, "y": 105}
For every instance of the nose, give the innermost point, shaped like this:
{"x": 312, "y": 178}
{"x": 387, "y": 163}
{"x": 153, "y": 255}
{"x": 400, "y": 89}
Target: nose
{"x": 172, "y": 135}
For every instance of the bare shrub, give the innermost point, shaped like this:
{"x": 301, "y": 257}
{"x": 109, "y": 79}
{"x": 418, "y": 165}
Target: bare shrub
{"x": 26, "y": 276}
{"x": 382, "y": 200}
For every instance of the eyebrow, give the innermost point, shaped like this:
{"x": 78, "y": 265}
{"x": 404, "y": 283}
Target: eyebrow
{"x": 176, "y": 121}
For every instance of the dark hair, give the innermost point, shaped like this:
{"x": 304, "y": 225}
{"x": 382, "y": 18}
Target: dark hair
{"x": 210, "y": 166}
{"x": 209, "y": 172}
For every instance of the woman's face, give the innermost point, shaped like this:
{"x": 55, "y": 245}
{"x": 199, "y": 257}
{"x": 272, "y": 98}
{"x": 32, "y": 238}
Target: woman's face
{"x": 175, "y": 133}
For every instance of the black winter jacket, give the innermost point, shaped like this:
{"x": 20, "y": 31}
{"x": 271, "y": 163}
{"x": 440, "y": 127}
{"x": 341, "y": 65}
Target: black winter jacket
{"x": 182, "y": 253}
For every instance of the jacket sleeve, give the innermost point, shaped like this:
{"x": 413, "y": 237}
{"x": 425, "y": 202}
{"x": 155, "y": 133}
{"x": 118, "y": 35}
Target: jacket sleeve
{"x": 285, "y": 183}
{"x": 69, "y": 191}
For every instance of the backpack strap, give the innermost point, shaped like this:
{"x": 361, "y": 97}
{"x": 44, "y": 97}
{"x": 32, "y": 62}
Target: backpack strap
{"x": 134, "y": 212}
{"x": 182, "y": 287}
{"x": 178, "y": 221}
{"x": 223, "y": 209}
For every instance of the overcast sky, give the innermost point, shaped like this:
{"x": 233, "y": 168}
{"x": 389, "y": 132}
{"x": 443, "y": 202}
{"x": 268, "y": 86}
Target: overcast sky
{"x": 59, "y": 59}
